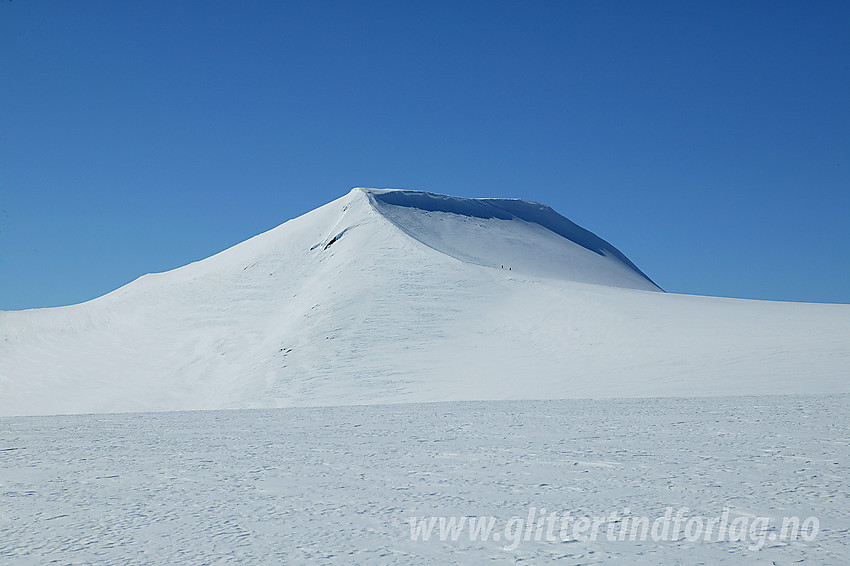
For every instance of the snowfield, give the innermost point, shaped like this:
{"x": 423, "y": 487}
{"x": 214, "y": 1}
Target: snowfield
{"x": 339, "y": 485}
{"x": 423, "y": 379}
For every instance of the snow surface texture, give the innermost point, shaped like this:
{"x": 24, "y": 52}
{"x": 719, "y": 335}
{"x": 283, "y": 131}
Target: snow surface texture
{"x": 339, "y": 485}
{"x": 389, "y": 296}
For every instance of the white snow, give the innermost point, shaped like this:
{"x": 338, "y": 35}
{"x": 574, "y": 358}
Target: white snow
{"x": 512, "y": 234}
{"x": 509, "y": 315}
{"x": 339, "y": 485}
{"x": 410, "y": 304}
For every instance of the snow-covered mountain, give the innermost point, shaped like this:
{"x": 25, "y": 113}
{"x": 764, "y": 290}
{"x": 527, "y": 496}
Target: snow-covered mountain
{"x": 398, "y": 296}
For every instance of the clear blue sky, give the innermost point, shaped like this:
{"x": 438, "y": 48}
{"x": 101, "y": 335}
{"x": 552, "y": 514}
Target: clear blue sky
{"x": 709, "y": 141}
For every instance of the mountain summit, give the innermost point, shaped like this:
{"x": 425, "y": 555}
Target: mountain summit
{"x": 397, "y": 296}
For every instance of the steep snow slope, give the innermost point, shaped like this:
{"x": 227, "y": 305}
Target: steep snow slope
{"x": 509, "y": 234}
{"x": 396, "y": 296}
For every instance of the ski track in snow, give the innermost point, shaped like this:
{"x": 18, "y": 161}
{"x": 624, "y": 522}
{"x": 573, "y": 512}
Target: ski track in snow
{"x": 338, "y": 485}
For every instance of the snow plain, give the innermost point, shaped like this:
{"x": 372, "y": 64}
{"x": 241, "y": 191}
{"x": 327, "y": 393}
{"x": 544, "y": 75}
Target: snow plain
{"x": 339, "y": 485}
{"x": 397, "y": 355}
